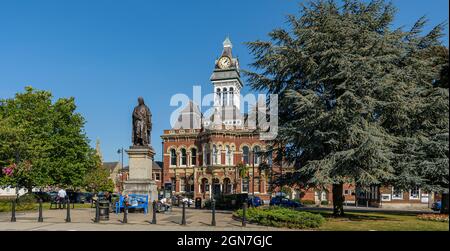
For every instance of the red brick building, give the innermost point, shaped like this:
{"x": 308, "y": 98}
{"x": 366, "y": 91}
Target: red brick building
{"x": 201, "y": 152}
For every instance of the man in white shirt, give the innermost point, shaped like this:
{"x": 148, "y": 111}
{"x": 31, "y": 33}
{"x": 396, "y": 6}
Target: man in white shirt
{"x": 61, "y": 196}
{"x": 62, "y": 193}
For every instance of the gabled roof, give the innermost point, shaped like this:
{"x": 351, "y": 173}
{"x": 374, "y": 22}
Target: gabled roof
{"x": 110, "y": 165}
{"x": 189, "y": 118}
{"x": 157, "y": 165}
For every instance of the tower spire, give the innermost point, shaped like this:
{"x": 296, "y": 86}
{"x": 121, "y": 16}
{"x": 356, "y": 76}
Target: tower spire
{"x": 98, "y": 150}
{"x": 227, "y": 43}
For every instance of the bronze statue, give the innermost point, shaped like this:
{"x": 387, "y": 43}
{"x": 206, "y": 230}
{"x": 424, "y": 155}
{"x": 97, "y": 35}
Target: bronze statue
{"x": 142, "y": 125}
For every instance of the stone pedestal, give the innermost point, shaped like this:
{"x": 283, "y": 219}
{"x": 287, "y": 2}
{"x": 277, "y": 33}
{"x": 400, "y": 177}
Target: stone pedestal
{"x": 140, "y": 180}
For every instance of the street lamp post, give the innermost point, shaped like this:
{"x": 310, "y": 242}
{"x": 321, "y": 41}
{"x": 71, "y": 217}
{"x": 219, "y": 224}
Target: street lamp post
{"x": 253, "y": 172}
{"x": 17, "y": 153}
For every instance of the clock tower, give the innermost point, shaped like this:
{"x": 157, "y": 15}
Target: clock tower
{"x": 226, "y": 79}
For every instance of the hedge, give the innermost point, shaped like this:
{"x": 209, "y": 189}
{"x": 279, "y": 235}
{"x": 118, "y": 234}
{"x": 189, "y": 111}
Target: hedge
{"x": 282, "y": 217}
{"x": 25, "y": 202}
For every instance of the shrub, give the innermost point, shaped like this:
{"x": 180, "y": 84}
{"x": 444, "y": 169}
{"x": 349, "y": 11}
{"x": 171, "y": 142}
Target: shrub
{"x": 225, "y": 202}
{"x": 433, "y": 217}
{"x": 28, "y": 198}
{"x": 282, "y": 217}
{"x": 308, "y": 202}
{"x": 26, "y": 202}
{"x": 207, "y": 203}
{"x": 324, "y": 202}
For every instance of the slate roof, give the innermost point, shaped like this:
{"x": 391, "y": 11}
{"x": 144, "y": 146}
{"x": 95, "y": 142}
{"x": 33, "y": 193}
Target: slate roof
{"x": 110, "y": 165}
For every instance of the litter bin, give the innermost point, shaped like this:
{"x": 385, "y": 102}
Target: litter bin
{"x": 198, "y": 203}
{"x": 103, "y": 207}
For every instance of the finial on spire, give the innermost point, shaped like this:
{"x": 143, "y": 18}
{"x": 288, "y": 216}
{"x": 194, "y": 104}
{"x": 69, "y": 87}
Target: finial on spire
{"x": 227, "y": 42}
{"x": 98, "y": 150}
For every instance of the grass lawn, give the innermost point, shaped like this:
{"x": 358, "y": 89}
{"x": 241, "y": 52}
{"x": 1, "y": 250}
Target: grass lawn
{"x": 5, "y": 206}
{"x": 380, "y": 221}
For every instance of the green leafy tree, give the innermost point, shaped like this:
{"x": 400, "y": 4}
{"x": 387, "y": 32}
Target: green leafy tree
{"x": 359, "y": 102}
{"x": 44, "y": 139}
{"x": 98, "y": 180}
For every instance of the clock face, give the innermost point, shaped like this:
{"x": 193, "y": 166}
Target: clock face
{"x": 224, "y": 62}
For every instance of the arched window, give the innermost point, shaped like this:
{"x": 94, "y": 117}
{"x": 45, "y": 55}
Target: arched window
{"x": 256, "y": 185}
{"x": 183, "y": 160}
{"x": 208, "y": 154}
{"x": 215, "y": 158}
{"x": 216, "y": 187}
{"x": 173, "y": 157}
{"x": 227, "y": 186}
{"x": 219, "y": 95}
{"x": 257, "y": 155}
{"x": 190, "y": 184}
{"x": 228, "y": 157}
{"x": 204, "y": 187}
{"x": 193, "y": 157}
{"x": 231, "y": 96}
{"x": 245, "y": 153}
{"x": 224, "y": 97}
{"x": 245, "y": 185}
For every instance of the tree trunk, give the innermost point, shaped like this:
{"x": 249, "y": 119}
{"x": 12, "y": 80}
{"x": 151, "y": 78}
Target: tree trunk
{"x": 29, "y": 188}
{"x": 338, "y": 199}
{"x": 444, "y": 203}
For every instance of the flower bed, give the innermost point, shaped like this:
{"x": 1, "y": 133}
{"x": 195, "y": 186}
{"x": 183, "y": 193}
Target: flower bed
{"x": 433, "y": 217}
{"x": 282, "y": 217}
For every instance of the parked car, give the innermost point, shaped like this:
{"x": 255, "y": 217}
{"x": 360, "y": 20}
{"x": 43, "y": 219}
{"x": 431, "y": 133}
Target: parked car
{"x": 53, "y": 195}
{"x": 76, "y": 197}
{"x": 284, "y": 202}
{"x": 254, "y": 201}
{"x": 43, "y": 195}
{"x": 436, "y": 206}
{"x": 88, "y": 197}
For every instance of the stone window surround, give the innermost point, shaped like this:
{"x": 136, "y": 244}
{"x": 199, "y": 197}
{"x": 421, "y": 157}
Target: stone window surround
{"x": 413, "y": 197}
{"x": 394, "y": 197}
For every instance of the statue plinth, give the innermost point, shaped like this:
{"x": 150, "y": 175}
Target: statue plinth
{"x": 140, "y": 180}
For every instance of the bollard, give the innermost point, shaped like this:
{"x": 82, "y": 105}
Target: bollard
{"x": 68, "y": 211}
{"x": 244, "y": 212}
{"x": 97, "y": 212}
{"x": 213, "y": 220}
{"x": 154, "y": 212}
{"x": 13, "y": 211}
{"x": 183, "y": 217}
{"x": 40, "y": 218}
{"x": 125, "y": 214}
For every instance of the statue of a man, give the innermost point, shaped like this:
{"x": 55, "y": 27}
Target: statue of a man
{"x": 142, "y": 125}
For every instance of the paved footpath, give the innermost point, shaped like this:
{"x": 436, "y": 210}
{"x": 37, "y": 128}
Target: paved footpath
{"x": 82, "y": 220}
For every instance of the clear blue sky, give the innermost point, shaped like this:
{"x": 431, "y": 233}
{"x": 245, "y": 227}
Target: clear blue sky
{"x": 107, "y": 53}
